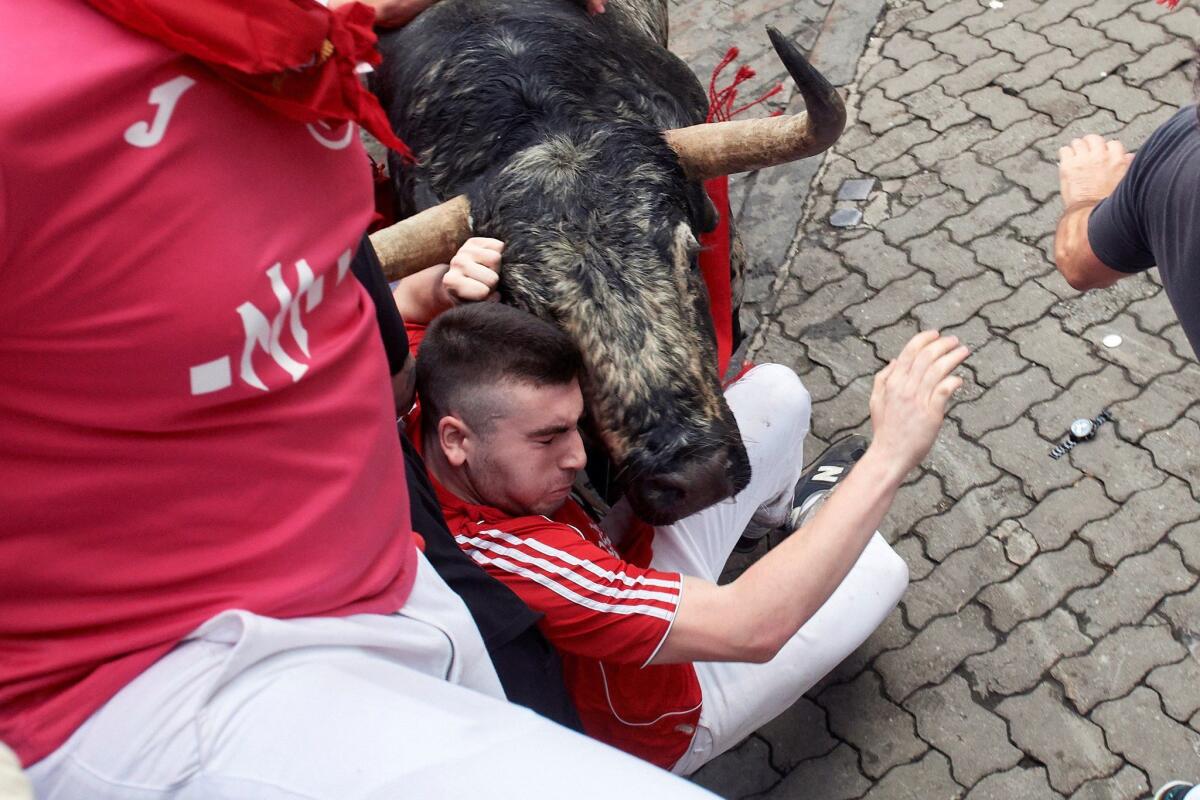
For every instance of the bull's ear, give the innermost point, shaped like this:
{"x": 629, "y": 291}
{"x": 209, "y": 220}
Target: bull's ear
{"x": 704, "y": 211}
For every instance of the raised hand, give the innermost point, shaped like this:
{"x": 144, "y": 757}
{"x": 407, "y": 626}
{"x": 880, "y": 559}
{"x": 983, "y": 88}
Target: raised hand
{"x": 474, "y": 271}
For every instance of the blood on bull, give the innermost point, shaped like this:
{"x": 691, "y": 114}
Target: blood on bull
{"x": 580, "y": 142}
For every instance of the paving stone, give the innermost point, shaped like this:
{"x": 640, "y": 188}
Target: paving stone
{"x": 1038, "y": 70}
{"x": 998, "y": 17}
{"x": 1141, "y": 522}
{"x": 1040, "y": 585}
{"x": 1027, "y": 169}
{"x": 923, "y": 217}
{"x": 1154, "y": 312}
{"x": 944, "y": 18}
{"x": 1184, "y": 612}
{"x": 1014, "y": 139}
{"x": 1137, "y": 728}
{"x": 882, "y": 732}
{"x": 987, "y": 216}
{"x": 1026, "y": 304}
{"x": 1031, "y": 648}
{"x": 879, "y": 264}
{"x": 907, "y": 51}
{"x": 1097, "y": 12}
{"x": 742, "y": 771}
{"x": 797, "y": 734}
{"x": 837, "y": 774}
{"x": 1015, "y": 260}
{"x": 1101, "y": 122}
{"x": 1134, "y": 588}
{"x": 893, "y": 302}
{"x": 1025, "y": 782}
{"x": 1004, "y": 403}
{"x": 1159, "y": 404}
{"x": 1125, "y": 101}
{"x": 1185, "y": 22}
{"x": 1116, "y": 664}
{"x": 1177, "y": 450}
{"x": 961, "y": 302}
{"x": 918, "y": 77}
{"x": 1159, "y": 61}
{"x": 994, "y": 360}
{"x": 975, "y": 739}
{"x": 1086, "y": 396}
{"x": 1051, "y": 13}
{"x": 1000, "y": 109}
{"x": 978, "y": 74}
{"x": 1019, "y": 545}
{"x": 1140, "y": 354}
{"x": 1052, "y": 99}
{"x": 935, "y": 652}
{"x": 976, "y": 181}
{"x": 881, "y": 156}
{"x": 1071, "y": 747}
{"x": 1178, "y": 686}
{"x": 1187, "y": 538}
{"x": 881, "y": 114}
{"x": 838, "y": 347}
{"x": 1063, "y": 513}
{"x": 951, "y": 143}
{"x": 956, "y": 581}
{"x": 844, "y": 412}
{"x": 1174, "y": 89}
{"x": 912, "y": 551}
{"x": 1020, "y": 451}
{"x": 1128, "y": 784}
{"x": 949, "y": 263}
{"x": 1141, "y": 36}
{"x": 1094, "y": 67}
{"x": 929, "y": 777}
{"x": 965, "y": 46}
{"x": 1122, "y": 467}
{"x": 823, "y": 305}
{"x": 970, "y": 518}
{"x": 1079, "y": 39}
{"x": 941, "y": 111}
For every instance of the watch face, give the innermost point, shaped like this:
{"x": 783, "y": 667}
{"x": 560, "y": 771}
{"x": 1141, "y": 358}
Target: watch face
{"x": 1082, "y": 429}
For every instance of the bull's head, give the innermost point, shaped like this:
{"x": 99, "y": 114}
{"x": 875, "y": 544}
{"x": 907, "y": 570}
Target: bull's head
{"x": 599, "y": 223}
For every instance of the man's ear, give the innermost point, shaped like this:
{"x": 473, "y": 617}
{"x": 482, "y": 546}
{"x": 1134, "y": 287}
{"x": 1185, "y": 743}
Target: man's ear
{"x": 453, "y": 435}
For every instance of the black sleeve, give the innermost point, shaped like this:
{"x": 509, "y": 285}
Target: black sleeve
{"x": 367, "y": 269}
{"x": 1117, "y": 227}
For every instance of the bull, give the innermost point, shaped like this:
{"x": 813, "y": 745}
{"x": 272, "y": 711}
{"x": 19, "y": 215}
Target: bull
{"x": 580, "y": 142}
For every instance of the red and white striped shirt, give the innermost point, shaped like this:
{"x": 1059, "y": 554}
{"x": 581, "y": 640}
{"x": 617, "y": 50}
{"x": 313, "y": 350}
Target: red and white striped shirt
{"x": 606, "y": 615}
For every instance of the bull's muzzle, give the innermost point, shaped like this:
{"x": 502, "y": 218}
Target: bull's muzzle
{"x": 662, "y": 498}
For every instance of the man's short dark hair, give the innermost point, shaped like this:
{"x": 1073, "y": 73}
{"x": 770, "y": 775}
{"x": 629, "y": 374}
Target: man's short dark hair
{"x": 483, "y": 344}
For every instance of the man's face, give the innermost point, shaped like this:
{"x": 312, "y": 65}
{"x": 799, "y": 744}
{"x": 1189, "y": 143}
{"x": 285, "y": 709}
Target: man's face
{"x": 525, "y": 460}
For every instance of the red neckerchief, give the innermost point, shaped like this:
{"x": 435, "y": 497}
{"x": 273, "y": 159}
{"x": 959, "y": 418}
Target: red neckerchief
{"x": 295, "y": 56}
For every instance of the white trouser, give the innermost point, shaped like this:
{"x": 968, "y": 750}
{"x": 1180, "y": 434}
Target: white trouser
{"x": 370, "y": 706}
{"x": 772, "y": 410}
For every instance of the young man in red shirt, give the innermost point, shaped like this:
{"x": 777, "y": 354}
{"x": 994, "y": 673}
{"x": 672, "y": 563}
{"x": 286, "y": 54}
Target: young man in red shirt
{"x": 660, "y": 660}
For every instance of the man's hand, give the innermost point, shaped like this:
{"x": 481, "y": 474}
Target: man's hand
{"x": 908, "y": 402}
{"x": 596, "y": 6}
{"x": 1090, "y": 168}
{"x": 474, "y": 271}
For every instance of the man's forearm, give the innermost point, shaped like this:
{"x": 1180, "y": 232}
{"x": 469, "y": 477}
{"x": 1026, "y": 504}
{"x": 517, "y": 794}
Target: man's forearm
{"x": 1073, "y": 253}
{"x": 780, "y": 592}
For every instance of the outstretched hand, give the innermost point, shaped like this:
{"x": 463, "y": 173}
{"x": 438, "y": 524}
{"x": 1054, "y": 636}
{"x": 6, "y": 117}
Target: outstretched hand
{"x": 908, "y": 402}
{"x": 1090, "y": 168}
{"x": 474, "y": 271}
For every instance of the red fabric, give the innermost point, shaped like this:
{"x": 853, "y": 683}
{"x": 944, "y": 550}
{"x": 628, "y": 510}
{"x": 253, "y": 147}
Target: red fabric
{"x": 715, "y": 269}
{"x": 155, "y": 265}
{"x": 294, "y": 56}
{"x": 605, "y": 614}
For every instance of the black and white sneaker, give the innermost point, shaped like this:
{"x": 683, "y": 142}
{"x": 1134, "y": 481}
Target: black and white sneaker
{"x": 822, "y": 477}
{"x": 1175, "y": 790}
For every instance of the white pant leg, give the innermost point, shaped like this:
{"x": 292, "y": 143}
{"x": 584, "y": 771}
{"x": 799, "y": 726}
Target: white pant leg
{"x": 14, "y": 785}
{"x": 772, "y": 409}
{"x": 740, "y": 698}
{"x": 369, "y": 706}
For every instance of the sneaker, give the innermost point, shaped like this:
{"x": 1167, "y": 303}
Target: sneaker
{"x": 1175, "y": 790}
{"x": 822, "y": 476}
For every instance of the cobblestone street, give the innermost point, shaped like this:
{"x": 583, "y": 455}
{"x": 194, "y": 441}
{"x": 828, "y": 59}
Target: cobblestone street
{"x": 1044, "y": 647}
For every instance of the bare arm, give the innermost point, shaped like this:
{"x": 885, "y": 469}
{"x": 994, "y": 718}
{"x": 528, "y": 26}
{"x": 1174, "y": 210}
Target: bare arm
{"x": 471, "y": 276}
{"x": 751, "y": 618}
{"x": 1089, "y": 169}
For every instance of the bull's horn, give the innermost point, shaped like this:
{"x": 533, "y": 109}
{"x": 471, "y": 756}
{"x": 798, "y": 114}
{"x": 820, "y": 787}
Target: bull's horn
{"x": 723, "y": 148}
{"x": 422, "y": 240}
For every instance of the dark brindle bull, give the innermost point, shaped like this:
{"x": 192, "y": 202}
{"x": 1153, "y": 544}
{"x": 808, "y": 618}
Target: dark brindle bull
{"x": 546, "y": 127}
